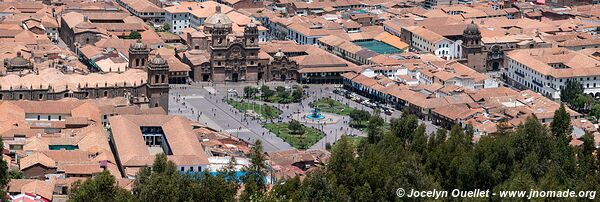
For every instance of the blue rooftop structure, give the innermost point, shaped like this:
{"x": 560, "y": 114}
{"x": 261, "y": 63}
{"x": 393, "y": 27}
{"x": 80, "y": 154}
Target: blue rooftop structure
{"x": 378, "y": 47}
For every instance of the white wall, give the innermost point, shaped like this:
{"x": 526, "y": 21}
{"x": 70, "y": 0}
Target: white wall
{"x": 550, "y": 86}
{"x": 178, "y": 21}
{"x": 46, "y": 117}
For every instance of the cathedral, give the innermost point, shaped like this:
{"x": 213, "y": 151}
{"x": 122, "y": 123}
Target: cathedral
{"x": 219, "y": 55}
{"x": 488, "y": 55}
{"x": 233, "y": 58}
{"x": 145, "y": 83}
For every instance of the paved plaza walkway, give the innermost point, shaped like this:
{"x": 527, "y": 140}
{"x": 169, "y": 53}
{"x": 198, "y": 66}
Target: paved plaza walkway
{"x": 204, "y": 103}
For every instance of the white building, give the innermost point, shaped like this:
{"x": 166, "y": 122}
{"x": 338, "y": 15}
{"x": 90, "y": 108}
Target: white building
{"x": 425, "y": 40}
{"x": 145, "y": 10}
{"x": 547, "y": 70}
{"x": 177, "y": 18}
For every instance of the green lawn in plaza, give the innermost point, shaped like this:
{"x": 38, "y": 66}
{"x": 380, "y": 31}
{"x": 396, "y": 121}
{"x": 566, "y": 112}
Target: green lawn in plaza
{"x": 303, "y": 141}
{"x": 329, "y": 105}
{"x": 265, "y": 111}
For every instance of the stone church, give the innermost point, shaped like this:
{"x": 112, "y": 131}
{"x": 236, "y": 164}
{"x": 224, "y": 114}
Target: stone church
{"x": 219, "y": 55}
{"x": 146, "y": 83}
{"x": 487, "y": 54}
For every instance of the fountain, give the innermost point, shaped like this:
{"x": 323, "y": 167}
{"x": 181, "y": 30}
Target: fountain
{"x": 315, "y": 114}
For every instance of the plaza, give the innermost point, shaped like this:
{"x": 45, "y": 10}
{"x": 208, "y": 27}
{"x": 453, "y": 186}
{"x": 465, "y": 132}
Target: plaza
{"x": 206, "y": 104}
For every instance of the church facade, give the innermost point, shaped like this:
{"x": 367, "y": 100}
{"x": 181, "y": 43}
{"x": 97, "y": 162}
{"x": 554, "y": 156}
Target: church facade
{"x": 145, "y": 85}
{"x": 219, "y": 55}
{"x": 488, "y": 54}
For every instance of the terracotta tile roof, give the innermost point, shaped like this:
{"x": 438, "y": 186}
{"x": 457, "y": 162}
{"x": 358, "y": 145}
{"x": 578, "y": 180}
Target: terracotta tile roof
{"x": 425, "y": 34}
{"x": 36, "y": 158}
{"x": 455, "y": 112}
{"x": 142, "y": 6}
{"x": 178, "y": 132}
{"x": 30, "y": 186}
{"x": 58, "y": 81}
{"x": 85, "y": 169}
{"x": 539, "y": 59}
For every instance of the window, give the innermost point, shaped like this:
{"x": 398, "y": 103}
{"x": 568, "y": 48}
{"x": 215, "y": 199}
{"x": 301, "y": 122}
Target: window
{"x": 182, "y": 169}
{"x": 38, "y": 118}
{"x": 191, "y": 168}
{"x": 60, "y": 118}
{"x": 199, "y": 168}
{"x": 49, "y": 117}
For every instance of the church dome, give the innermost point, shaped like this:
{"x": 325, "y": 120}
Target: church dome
{"x": 138, "y": 45}
{"x": 18, "y": 61}
{"x": 158, "y": 60}
{"x": 472, "y": 29}
{"x": 218, "y": 19}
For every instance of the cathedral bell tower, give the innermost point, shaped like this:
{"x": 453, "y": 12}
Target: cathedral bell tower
{"x": 138, "y": 55}
{"x": 221, "y": 27}
{"x": 471, "y": 39}
{"x": 251, "y": 34}
{"x": 158, "y": 83}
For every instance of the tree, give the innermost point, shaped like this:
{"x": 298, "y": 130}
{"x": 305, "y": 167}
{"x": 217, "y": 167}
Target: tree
{"x": 297, "y": 94}
{"x": 100, "y": 188}
{"x": 161, "y": 182}
{"x": 419, "y": 140}
{"x": 561, "y": 123}
{"x": 166, "y": 27}
{"x": 296, "y": 127}
{"x": 15, "y": 174}
{"x": 134, "y": 35}
{"x": 359, "y": 116}
{"x": 4, "y": 175}
{"x": 528, "y": 157}
{"x": 582, "y": 102}
{"x": 268, "y": 111}
{"x": 286, "y": 190}
{"x": 282, "y": 93}
{"x": 254, "y": 180}
{"x": 266, "y": 92}
{"x": 404, "y": 126}
{"x": 595, "y": 111}
{"x": 341, "y": 163}
{"x": 250, "y": 91}
{"x": 570, "y": 91}
{"x": 374, "y": 127}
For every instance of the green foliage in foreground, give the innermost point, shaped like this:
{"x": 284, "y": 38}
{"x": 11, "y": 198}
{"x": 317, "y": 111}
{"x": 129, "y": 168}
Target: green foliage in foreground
{"x": 533, "y": 156}
{"x": 530, "y": 157}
